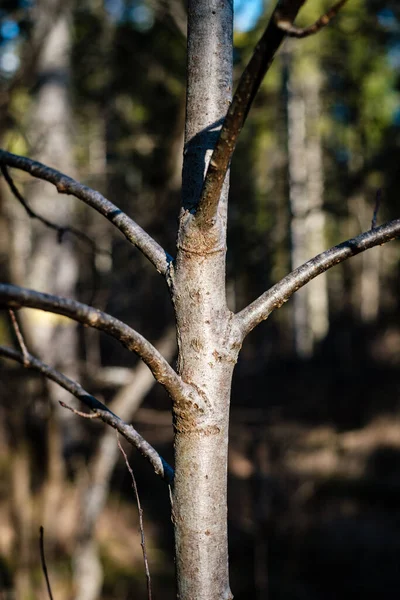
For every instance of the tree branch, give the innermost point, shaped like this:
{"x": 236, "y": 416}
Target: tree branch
{"x": 141, "y": 525}
{"x": 302, "y": 32}
{"x": 161, "y": 467}
{"x": 60, "y": 229}
{"x": 279, "y": 26}
{"x": 13, "y": 296}
{"x": 66, "y": 185}
{"x": 249, "y": 84}
{"x": 43, "y": 561}
{"x": 260, "y": 309}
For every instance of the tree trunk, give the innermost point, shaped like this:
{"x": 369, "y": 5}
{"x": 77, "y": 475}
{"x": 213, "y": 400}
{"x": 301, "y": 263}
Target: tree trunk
{"x": 297, "y": 172}
{"x": 306, "y": 187}
{"x": 317, "y": 290}
{"x": 205, "y": 359}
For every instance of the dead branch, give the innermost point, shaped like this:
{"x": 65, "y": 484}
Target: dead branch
{"x": 160, "y": 466}
{"x": 141, "y": 526}
{"x": 66, "y": 185}
{"x": 277, "y": 295}
{"x": 19, "y": 336}
{"x": 43, "y": 560}
{"x": 79, "y": 413}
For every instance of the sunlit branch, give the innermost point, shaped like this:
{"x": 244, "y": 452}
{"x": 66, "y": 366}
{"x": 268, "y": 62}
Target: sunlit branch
{"x": 279, "y": 26}
{"x": 260, "y": 309}
{"x": 12, "y": 296}
{"x": 66, "y": 185}
{"x": 249, "y": 84}
{"x": 301, "y": 32}
{"x": 161, "y": 467}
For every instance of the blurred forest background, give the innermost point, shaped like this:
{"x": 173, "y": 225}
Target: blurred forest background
{"x": 97, "y": 90}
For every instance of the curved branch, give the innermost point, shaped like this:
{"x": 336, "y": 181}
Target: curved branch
{"x": 161, "y": 467}
{"x": 260, "y": 309}
{"x": 302, "y": 32}
{"x": 242, "y": 100}
{"x": 66, "y": 185}
{"x": 279, "y": 26}
{"x": 13, "y": 296}
{"x": 60, "y": 229}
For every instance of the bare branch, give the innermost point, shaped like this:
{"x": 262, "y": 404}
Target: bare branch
{"x": 160, "y": 466}
{"x": 60, "y": 229}
{"x": 141, "y": 526}
{"x": 260, "y": 309}
{"x": 13, "y": 296}
{"x": 246, "y": 91}
{"x": 279, "y": 26}
{"x": 43, "y": 560}
{"x": 79, "y": 413}
{"x": 19, "y": 335}
{"x": 302, "y": 32}
{"x": 66, "y": 185}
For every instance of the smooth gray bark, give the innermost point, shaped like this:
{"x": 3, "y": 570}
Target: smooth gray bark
{"x": 206, "y": 356}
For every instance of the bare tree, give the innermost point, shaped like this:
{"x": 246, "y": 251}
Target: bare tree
{"x": 209, "y": 334}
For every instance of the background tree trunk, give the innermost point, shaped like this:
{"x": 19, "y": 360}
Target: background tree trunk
{"x": 306, "y": 189}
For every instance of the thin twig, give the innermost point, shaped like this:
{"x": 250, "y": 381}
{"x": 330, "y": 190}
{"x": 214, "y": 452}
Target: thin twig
{"x": 60, "y": 229}
{"x": 378, "y": 201}
{"x": 43, "y": 559}
{"x": 20, "y": 337}
{"x": 78, "y": 412}
{"x": 141, "y": 526}
{"x": 66, "y": 185}
{"x": 160, "y": 466}
{"x": 302, "y": 32}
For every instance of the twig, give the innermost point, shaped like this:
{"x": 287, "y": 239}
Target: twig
{"x": 43, "y": 559}
{"x": 66, "y": 185}
{"x": 302, "y": 32}
{"x": 60, "y": 229}
{"x": 278, "y": 294}
{"x": 78, "y": 412}
{"x": 20, "y": 337}
{"x": 160, "y": 466}
{"x": 142, "y": 536}
{"x": 378, "y": 200}
{"x": 12, "y": 296}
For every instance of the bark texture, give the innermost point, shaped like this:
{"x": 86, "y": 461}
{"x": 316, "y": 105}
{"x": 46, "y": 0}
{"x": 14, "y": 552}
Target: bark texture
{"x": 207, "y": 352}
